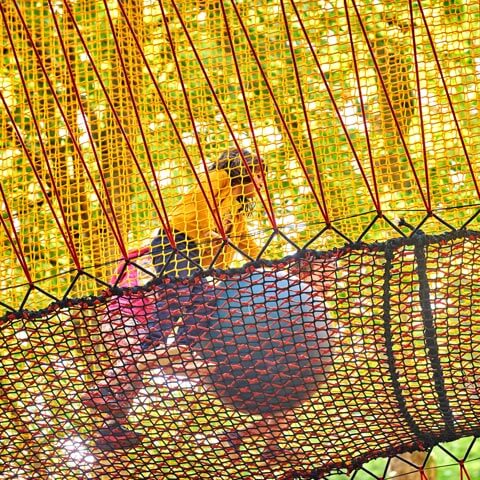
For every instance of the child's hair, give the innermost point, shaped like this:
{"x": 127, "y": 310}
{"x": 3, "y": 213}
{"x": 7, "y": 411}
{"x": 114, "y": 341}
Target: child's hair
{"x": 231, "y": 161}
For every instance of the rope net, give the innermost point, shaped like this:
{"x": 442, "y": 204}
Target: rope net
{"x": 238, "y": 239}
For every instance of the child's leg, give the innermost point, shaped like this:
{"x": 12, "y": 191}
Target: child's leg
{"x": 185, "y": 307}
{"x": 147, "y": 349}
{"x": 123, "y": 327}
{"x": 115, "y": 394}
{"x": 181, "y": 261}
{"x": 139, "y": 347}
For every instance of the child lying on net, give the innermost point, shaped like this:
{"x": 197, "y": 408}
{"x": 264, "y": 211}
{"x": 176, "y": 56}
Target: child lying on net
{"x": 221, "y": 200}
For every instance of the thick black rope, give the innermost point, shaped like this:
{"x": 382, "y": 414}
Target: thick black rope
{"x": 387, "y": 323}
{"x": 430, "y": 333}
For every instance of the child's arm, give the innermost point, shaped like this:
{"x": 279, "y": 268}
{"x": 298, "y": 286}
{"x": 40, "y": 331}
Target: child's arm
{"x": 238, "y": 235}
{"x": 236, "y": 229}
{"x": 193, "y": 214}
{"x": 244, "y": 240}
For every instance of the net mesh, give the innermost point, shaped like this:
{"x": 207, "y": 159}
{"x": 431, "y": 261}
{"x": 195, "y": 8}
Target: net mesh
{"x": 313, "y": 358}
{"x": 345, "y": 356}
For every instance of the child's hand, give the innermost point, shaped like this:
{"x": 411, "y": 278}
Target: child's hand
{"x": 215, "y": 235}
{"x": 216, "y": 240}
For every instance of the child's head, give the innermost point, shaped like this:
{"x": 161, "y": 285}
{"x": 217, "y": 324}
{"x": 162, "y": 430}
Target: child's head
{"x": 232, "y": 162}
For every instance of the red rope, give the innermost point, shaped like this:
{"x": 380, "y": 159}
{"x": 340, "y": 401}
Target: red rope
{"x": 419, "y": 97}
{"x": 121, "y": 269}
{"x": 212, "y": 207}
{"x": 14, "y": 240}
{"x": 111, "y": 220}
{"x": 164, "y": 219}
{"x": 175, "y": 128}
{"x": 67, "y": 125}
{"x": 335, "y": 107}
{"x": 271, "y": 218}
{"x": 391, "y": 108}
{"x": 364, "y": 113}
{"x": 168, "y": 231}
{"x": 67, "y": 236}
{"x": 449, "y": 99}
{"x": 268, "y": 209}
{"x": 276, "y": 104}
{"x": 323, "y": 210}
{"x": 161, "y": 215}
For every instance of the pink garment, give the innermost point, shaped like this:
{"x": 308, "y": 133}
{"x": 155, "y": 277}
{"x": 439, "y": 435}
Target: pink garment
{"x": 123, "y": 325}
